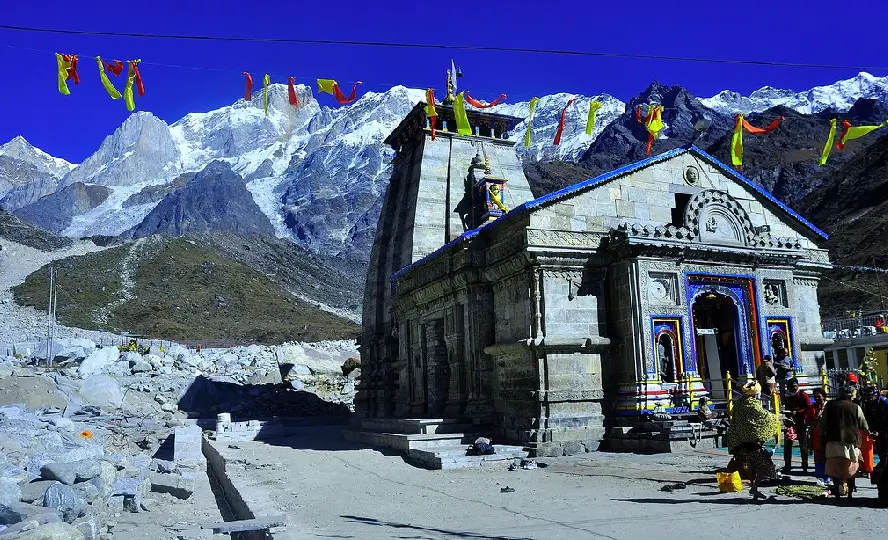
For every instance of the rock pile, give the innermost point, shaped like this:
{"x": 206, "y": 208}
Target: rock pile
{"x": 79, "y": 440}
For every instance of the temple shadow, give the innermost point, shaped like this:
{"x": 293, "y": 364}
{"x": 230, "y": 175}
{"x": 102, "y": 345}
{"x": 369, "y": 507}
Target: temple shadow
{"x": 419, "y": 529}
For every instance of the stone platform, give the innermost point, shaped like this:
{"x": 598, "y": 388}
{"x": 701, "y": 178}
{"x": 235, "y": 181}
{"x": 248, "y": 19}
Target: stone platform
{"x": 432, "y": 443}
{"x": 676, "y": 435}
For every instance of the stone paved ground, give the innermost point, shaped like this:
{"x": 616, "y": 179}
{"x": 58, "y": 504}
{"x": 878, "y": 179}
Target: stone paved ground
{"x": 330, "y": 490}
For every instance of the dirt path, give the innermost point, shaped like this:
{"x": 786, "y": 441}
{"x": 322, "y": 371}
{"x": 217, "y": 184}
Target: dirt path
{"x": 329, "y": 490}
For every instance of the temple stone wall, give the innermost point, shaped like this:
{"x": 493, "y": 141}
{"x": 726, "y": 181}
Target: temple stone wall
{"x": 513, "y": 311}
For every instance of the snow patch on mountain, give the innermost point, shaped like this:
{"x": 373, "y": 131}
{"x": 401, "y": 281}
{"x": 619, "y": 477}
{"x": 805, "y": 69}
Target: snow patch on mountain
{"x": 839, "y": 96}
{"x": 19, "y": 148}
{"x": 546, "y": 118}
{"x": 111, "y": 218}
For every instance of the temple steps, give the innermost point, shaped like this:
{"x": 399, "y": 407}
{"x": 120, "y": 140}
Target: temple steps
{"x": 432, "y": 443}
{"x": 642, "y": 436}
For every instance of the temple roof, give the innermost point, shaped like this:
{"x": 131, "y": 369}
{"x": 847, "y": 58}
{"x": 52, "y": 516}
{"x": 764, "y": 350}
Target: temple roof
{"x": 416, "y": 120}
{"x": 601, "y": 179}
{"x": 592, "y": 183}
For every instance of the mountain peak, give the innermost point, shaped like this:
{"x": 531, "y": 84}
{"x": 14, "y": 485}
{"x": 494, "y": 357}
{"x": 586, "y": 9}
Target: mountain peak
{"x": 19, "y": 148}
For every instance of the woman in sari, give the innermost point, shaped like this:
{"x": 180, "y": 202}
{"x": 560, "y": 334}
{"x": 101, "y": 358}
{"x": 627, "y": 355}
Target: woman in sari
{"x": 840, "y": 426}
{"x": 750, "y": 427}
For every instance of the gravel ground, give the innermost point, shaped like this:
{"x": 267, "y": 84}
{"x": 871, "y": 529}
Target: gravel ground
{"x": 331, "y": 490}
{"x": 23, "y": 324}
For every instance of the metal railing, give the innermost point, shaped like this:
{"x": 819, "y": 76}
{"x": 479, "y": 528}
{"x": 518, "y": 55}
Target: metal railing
{"x": 854, "y": 327}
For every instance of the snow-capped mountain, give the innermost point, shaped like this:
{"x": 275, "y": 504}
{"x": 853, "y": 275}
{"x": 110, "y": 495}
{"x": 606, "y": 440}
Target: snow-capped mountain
{"x": 28, "y": 173}
{"x": 21, "y": 149}
{"x": 839, "y": 96}
{"x": 546, "y": 116}
{"x": 317, "y": 173}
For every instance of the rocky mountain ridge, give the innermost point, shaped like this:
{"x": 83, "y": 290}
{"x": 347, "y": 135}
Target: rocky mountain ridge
{"x": 318, "y": 174}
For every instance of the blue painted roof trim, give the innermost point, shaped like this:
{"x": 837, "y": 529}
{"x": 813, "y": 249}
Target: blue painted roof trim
{"x": 464, "y": 237}
{"x": 573, "y": 189}
{"x": 730, "y": 171}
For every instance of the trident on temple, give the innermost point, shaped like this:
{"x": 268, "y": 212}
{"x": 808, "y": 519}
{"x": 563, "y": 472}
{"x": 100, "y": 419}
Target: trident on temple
{"x": 452, "y": 74}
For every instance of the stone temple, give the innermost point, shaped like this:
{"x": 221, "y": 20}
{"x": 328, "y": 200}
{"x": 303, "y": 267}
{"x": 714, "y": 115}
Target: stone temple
{"x": 547, "y": 319}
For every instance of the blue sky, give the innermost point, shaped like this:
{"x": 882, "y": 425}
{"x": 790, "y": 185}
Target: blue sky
{"x": 73, "y": 126}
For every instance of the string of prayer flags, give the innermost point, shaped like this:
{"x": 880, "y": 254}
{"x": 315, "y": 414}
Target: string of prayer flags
{"x": 533, "y": 104}
{"x": 653, "y": 123}
{"x": 265, "y": 82}
{"x": 67, "y": 69}
{"x": 116, "y": 68}
{"x": 459, "y": 111}
{"x": 827, "y": 148}
{"x": 849, "y": 132}
{"x": 431, "y": 112}
{"x": 590, "y": 121}
{"x": 558, "y": 133}
{"x": 329, "y": 86}
{"x": 133, "y": 77}
{"x": 741, "y": 125}
{"x": 480, "y": 104}
{"x": 248, "y": 91}
{"x": 291, "y": 91}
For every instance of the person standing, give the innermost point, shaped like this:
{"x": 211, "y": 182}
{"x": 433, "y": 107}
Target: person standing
{"x": 766, "y": 375}
{"x": 813, "y": 421}
{"x": 795, "y": 408}
{"x": 751, "y": 426}
{"x": 840, "y": 425}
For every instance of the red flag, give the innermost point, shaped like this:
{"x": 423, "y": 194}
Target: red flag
{"x": 558, "y": 133}
{"x": 248, "y": 92}
{"x": 340, "y": 97}
{"x": 115, "y": 67}
{"x": 431, "y": 111}
{"x": 291, "y": 91}
{"x": 141, "y": 86}
{"x": 475, "y": 103}
{"x": 761, "y": 131}
{"x": 72, "y": 71}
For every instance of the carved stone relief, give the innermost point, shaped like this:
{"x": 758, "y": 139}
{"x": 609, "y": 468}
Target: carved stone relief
{"x": 692, "y": 176}
{"x": 774, "y": 293}
{"x": 662, "y": 288}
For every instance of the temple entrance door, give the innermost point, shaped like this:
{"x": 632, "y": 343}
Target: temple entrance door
{"x": 715, "y": 321}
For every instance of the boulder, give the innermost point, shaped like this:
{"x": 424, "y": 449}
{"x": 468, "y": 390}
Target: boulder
{"x": 66, "y": 500}
{"x": 139, "y": 366}
{"x": 162, "y": 466}
{"x": 75, "y": 471}
{"x": 49, "y": 531}
{"x": 31, "y": 523}
{"x": 98, "y": 362}
{"x": 102, "y": 391}
{"x": 5, "y": 371}
{"x": 34, "y": 491}
{"x": 10, "y": 492}
{"x": 66, "y": 349}
{"x": 155, "y": 361}
{"x": 350, "y": 365}
{"x": 89, "y": 527}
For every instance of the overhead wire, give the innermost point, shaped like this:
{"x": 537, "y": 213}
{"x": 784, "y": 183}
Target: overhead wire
{"x": 394, "y": 44}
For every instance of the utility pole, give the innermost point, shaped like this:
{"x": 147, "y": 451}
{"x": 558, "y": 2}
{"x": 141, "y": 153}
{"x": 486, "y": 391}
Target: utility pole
{"x": 50, "y": 314}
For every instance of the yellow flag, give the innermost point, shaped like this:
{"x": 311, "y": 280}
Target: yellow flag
{"x": 655, "y": 125}
{"x": 737, "y": 142}
{"x": 533, "y": 104}
{"x": 855, "y": 132}
{"x": 430, "y": 110}
{"x": 590, "y": 122}
{"x": 265, "y": 82}
{"x": 459, "y": 111}
{"x": 326, "y": 85}
{"x": 128, "y": 89}
{"x": 827, "y": 148}
{"x": 63, "y": 66}
{"x": 109, "y": 87}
